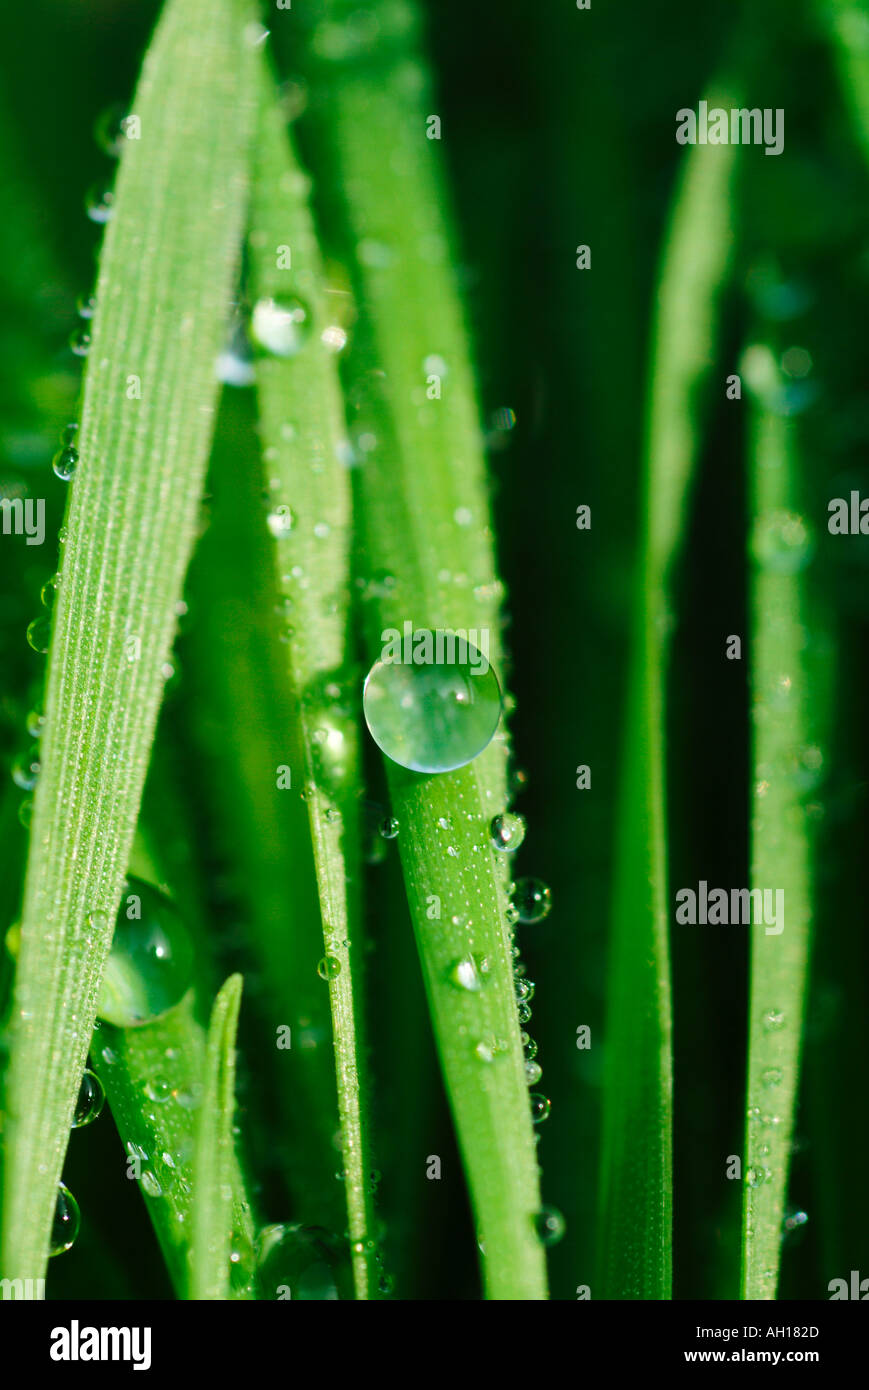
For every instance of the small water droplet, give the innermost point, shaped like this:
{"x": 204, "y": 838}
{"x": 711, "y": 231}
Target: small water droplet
{"x": 89, "y": 1103}
{"x": 281, "y": 326}
{"x": 64, "y": 463}
{"x": 549, "y": 1225}
{"x": 540, "y": 1107}
{"x": 100, "y": 202}
{"x": 80, "y": 342}
{"x": 67, "y": 1221}
{"x": 773, "y": 1019}
{"x": 26, "y": 769}
{"x": 39, "y": 634}
{"x": 507, "y": 831}
{"x": 329, "y": 967}
{"x": 469, "y": 973}
{"x": 158, "y": 1089}
{"x": 150, "y": 1184}
{"x": 532, "y": 900}
{"x": 533, "y": 1073}
{"x": 389, "y": 828}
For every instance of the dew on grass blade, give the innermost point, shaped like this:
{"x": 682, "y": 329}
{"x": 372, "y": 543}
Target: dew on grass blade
{"x": 64, "y": 463}
{"x": 301, "y": 1263}
{"x": 549, "y": 1225}
{"x": 99, "y": 204}
{"x": 281, "y": 326}
{"x": 540, "y": 1107}
{"x": 329, "y": 967}
{"x": 531, "y": 899}
{"x": 433, "y": 715}
{"x": 89, "y": 1102}
{"x": 67, "y": 1220}
{"x": 39, "y": 634}
{"x": 80, "y": 342}
{"x": 151, "y": 960}
{"x": 86, "y": 307}
{"x": 507, "y": 832}
{"x": 469, "y": 973}
{"x": 26, "y": 769}
{"x": 389, "y": 828}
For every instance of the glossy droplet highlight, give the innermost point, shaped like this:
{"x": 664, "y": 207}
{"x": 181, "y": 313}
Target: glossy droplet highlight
{"x": 531, "y": 900}
{"x": 89, "y": 1102}
{"x": 507, "y": 832}
{"x": 26, "y": 769}
{"x": 281, "y": 326}
{"x": 469, "y": 973}
{"x": 540, "y": 1107}
{"x": 432, "y": 716}
{"x": 151, "y": 960}
{"x": 329, "y": 967}
{"x": 67, "y": 1221}
{"x": 389, "y": 828}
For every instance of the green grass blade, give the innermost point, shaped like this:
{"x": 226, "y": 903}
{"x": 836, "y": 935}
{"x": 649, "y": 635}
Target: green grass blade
{"x": 303, "y": 433}
{"x": 424, "y": 518}
{"x": 636, "y": 1195}
{"x": 162, "y": 290}
{"x": 783, "y": 754}
{"x": 214, "y": 1152}
{"x": 153, "y": 1078}
{"x": 848, "y": 21}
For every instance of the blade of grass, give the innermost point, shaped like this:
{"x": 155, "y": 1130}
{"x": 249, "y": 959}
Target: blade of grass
{"x": 427, "y": 552}
{"x": 162, "y": 293}
{"x": 164, "y": 1063}
{"x": 214, "y": 1152}
{"x": 303, "y": 432}
{"x": 783, "y": 756}
{"x": 636, "y": 1169}
{"x": 848, "y": 24}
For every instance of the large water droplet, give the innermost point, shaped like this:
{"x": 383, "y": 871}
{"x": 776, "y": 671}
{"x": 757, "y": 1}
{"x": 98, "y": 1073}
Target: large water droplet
{"x": 302, "y": 1263}
{"x": 540, "y": 1107}
{"x": 329, "y": 967}
{"x": 91, "y": 1097}
{"x": 281, "y": 326}
{"x": 469, "y": 973}
{"x": 67, "y": 1220}
{"x": 64, "y": 463}
{"x": 432, "y": 716}
{"x": 151, "y": 960}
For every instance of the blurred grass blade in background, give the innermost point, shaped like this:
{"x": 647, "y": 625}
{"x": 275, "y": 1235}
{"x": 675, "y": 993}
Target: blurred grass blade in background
{"x": 636, "y": 1179}
{"x": 141, "y": 450}
{"x": 787, "y": 713}
{"x": 303, "y": 433}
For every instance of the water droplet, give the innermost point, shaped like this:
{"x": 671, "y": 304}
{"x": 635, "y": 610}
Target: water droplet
{"x": 150, "y": 1184}
{"x": 782, "y": 541}
{"x": 12, "y": 940}
{"x": 389, "y": 828}
{"x": 25, "y": 813}
{"x": 158, "y": 1089}
{"x": 35, "y": 723}
{"x": 26, "y": 768}
{"x": 80, "y": 342}
{"x": 433, "y": 716}
{"x": 281, "y": 521}
{"x": 531, "y": 899}
{"x": 310, "y": 1262}
{"x": 91, "y": 1097}
{"x": 533, "y": 1073}
{"x": 794, "y": 1220}
{"x": 469, "y": 973}
{"x": 110, "y": 131}
{"x": 772, "y": 1076}
{"x": 99, "y": 204}
{"x": 85, "y": 307}
{"x": 64, "y": 463}
{"x": 39, "y": 634}
{"x": 334, "y": 337}
{"x": 540, "y": 1107}
{"x": 755, "y": 1177}
{"x": 67, "y": 1220}
{"x": 773, "y": 1019}
{"x": 151, "y": 960}
{"x": 530, "y": 1046}
{"x": 549, "y": 1225}
{"x": 281, "y": 326}
{"x": 507, "y": 831}
{"x": 329, "y": 967}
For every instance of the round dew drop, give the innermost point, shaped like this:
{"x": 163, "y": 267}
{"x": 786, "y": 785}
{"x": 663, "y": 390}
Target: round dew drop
{"x": 329, "y": 967}
{"x": 64, "y": 463}
{"x": 507, "y": 832}
{"x": 67, "y": 1221}
{"x": 151, "y": 960}
{"x": 91, "y": 1098}
{"x": 26, "y": 769}
{"x": 39, "y": 634}
{"x": 549, "y": 1225}
{"x": 389, "y": 828}
{"x": 540, "y": 1107}
{"x": 436, "y": 716}
{"x": 531, "y": 899}
{"x": 281, "y": 326}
